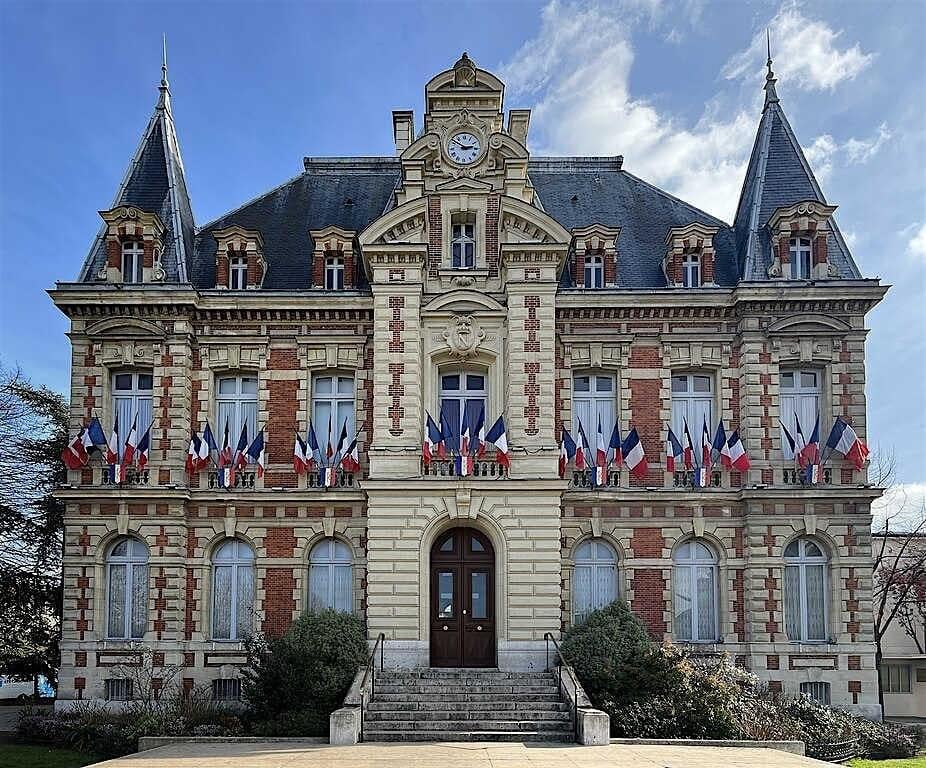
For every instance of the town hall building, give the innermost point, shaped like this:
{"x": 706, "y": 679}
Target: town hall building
{"x": 464, "y": 276}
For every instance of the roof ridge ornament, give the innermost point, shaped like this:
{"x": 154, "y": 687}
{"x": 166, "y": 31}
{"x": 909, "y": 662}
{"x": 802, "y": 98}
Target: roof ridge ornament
{"x": 771, "y": 95}
{"x": 164, "y": 87}
{"x": 464, "y": 72}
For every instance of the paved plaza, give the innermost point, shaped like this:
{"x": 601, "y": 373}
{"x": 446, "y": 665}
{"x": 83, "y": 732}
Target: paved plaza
{"x": 459, "y": 755}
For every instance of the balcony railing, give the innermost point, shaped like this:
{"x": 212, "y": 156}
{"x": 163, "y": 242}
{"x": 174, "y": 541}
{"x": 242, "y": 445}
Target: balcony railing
{"x": 796, "y": 477}
{"x": 686, "y": 479}
{"x": 447, "y": 468}
{"x": 244, "y": 481}
{"x": 582, "y": 478}
{"x": 133, "y": 476}
{"x": 342, "y": 479}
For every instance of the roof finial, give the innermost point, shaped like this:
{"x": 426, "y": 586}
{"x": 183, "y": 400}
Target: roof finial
{"x": 164, "y": 87}
{"x": 771, "y": 95}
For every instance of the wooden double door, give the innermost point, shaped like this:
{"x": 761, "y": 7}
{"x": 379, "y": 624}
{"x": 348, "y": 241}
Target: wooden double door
{"x": 462, "y": 600}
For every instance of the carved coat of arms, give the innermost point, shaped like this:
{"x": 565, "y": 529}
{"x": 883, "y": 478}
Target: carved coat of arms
{"x": 463, "y": 336}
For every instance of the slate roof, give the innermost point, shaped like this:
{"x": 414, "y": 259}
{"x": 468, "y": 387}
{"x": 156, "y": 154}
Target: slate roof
{"x": 155, "y": 182}
{"x": 578, "y": 191}
{"x": 346, "y": 192}
{"x": 778, "y": 175}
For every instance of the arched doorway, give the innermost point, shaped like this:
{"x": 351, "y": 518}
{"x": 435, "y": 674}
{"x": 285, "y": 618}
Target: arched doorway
{"x": 462, "y": 600}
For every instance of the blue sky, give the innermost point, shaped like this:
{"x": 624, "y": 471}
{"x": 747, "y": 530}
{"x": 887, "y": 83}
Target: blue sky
{"x": 674, "y": 87}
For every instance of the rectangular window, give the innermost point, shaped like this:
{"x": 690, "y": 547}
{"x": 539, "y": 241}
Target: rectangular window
{"x": 691, "y": 271}
{"x": 818, "y": 691}
{"x": 461, "y": 392}
{"x": 334, "y": 273}
{"x": 131, "y": 399}
{"x": 226, "y": 690}
{"x": 594, "y": 272}
{"x": 692, "y": 402}
{"x": 236, "y": 405}
{"x": 463, "y": 243}
{"x": 332, "y": 407}
{"x": 133, "y": 261}
{"x": 896, "y": 678}
{"x": 593, "y": 396}
{"x": 799, "y": 400}
{"x": 118, "y": 689}
{"x": 237, "y": 273}
{"x": 801, "y": 259}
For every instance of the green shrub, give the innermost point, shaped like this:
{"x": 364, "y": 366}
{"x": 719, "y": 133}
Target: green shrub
{"x": 615, "y": 659}
{"x": 294, "y": 682}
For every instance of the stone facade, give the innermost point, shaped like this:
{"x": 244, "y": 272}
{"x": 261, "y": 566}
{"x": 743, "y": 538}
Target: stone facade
{"x": 521, "y": 317}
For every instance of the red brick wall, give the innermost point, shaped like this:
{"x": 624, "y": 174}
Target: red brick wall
{"x": 318, "y": 270}
{"x": 647, "y": 542}
{"x": 435, "y": 230}
{"x": 279, "y": 604}
{"x": 819, "y": 249}
{"x": 610, "y": 269}
{"x": 281, "y": 419}
{"x": 578, "y": 270}
{"x": 648, "y": 586}
{"x": 492, "y": 211}
{"x": 280, "y": 542}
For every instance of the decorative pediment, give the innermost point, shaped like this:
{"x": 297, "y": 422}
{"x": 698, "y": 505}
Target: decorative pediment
{"x": 405, "y": 224}
{"x": 523, "y": 223}
{"x": 463, "y": 302}
{"x": 464, "y": 184}
{"x": 595, "y": 237}
{"x": 799, "y": 325}
{"x": 125, "y": 328}
{"x": 805, "y": 216}
{"x": 332, "y": 239}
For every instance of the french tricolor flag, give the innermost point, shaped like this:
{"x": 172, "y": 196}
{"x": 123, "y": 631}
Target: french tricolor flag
{"x": 464, "y": 435}
{"x": 580, "y": 448}
{"x": 312, "y": 450}
{"x": 674, "y": 452}
{"x": 735, "y": 452}
{"x": 192, "y": 453}
{"x": 241, "y": 461}
{"x": 327, "y": 477}
{"x": 351, "y": 459}
{"x": 75, "y": 455}
{"x": 567, "y": 452}
{"x": 256, "y": 454}
{"x": 720, "y": 445}
{"x": 463, "y": 465}
{"x": 431, "y": 442}
{"x": 634, "y": 456}
{"x": 601, "y": 450}
{"x": 800, "y": 443}
{"x": 144, "y": 446}
{"x": 844, "y": 440}
{"x": 112, "y": 447}
{"x": 131, "y": 443}
{"x": 480, "y": 431}
{"x": 706, "y": 446}
{"x": 300, "y": 453}
{"x": 499, "y": 438}
{"x": 810, "y": 454}
{"x": 617, "y": 457}
{"x": 689, "y": 448}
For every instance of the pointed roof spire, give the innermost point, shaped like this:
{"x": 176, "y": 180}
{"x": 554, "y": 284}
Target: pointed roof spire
{"x": 164, "y": 87}
{"x": 771, "y": 95}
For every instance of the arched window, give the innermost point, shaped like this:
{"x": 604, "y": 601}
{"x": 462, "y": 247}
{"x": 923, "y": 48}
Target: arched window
{"x": 232, "y": 590}
{"x": 799, "y": 250}
{"x": 594, "y": 583}
{"x": 805, "y": 591}
{"x": 331, "y": 576}
{"x": 694, "y": 577}
{"x": 127, "y": 590}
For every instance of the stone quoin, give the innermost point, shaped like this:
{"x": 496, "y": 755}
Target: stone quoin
{"x": 464, "y": 276}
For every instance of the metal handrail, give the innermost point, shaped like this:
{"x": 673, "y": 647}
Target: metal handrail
{"x": 548, "y": 637}
{"x": 371, "y": 667}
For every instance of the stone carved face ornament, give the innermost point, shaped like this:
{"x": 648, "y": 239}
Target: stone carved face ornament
{"x": 463, "y": 336}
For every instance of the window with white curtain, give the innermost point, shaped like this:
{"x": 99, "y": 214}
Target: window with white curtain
{"x": 232, "y": 590}
{"x": 133, "y": 262}
{"x": 593, "y": 396}
{"x": 691, "y": 270}
{"x": 131, "y": 399}
{"x": 692, "y": 401}
{"x": 236, "y": 404}
{"x": 331, "y": 576}
{"x": 817, "y": 690}
{"x": 694, "y": 579}
{"x": 799, "y": 249}
{"x": 594, "y": 272}
{"x": 594, "y": 581}
{"x": 805, "y": 591}
{"x": 462, "y": 392}
{"x": 127, "y": 590}
{"x": 463, "y": 242}
{"x": 896, "y": 678}
{"x": 238, "y": 273}
{"x": 332, "y": 405}
{"x": 799, "y": 399}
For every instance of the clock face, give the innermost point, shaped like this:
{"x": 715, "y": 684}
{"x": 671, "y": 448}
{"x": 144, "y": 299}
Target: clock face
{"x": 463, "y": 148}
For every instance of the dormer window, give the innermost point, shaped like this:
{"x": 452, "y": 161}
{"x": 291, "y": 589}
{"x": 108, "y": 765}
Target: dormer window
{"x": 334, "y": 273}
{"x": 691, "y": 270}
{"x": 594, "y": 272}
{"x": 133, "y": 260}
{"x": 238, "y": 273}
{"x": 463, "y": 243}
{"x": 801, "y": 258}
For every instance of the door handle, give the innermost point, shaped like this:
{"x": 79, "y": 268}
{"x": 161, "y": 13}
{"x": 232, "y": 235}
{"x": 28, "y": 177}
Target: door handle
{"x": 464, "y": 611}
{"x": 479, "y": 628}
{"x": 445, "y": 627}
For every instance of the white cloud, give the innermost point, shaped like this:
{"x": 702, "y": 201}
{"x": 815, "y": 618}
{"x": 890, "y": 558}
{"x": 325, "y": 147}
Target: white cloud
{"x": 917, "y": 244}
{"x": 584, "y": 106}
{"x": 825, "y": 151}
{"x": 806, "y": 53}
{"x": 904, "y": 504}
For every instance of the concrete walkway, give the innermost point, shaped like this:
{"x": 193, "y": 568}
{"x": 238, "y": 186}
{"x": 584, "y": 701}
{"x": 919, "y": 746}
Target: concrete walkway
{"x": 449, "y": 755}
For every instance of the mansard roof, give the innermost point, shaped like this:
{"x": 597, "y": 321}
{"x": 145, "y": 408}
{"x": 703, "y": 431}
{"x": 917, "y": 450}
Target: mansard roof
{"x": 155, "y": 182}
{"x": 349, "y": 193}
{"x": 778, "y": 175}
{"x": 578, "y": 191}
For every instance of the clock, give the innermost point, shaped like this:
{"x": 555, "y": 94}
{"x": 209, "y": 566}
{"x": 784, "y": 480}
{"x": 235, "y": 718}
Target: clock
{"x": 463, "y": 148}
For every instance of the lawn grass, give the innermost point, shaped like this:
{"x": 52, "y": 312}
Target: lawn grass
{"x": 31, "y": 756}
{"x": 910, "y": 762}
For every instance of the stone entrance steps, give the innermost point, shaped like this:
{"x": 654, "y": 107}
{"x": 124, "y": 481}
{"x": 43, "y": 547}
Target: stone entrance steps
{"x": 466, "y": 705}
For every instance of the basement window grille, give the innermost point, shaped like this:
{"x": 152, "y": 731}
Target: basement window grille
{"x": 118, "y": 689}
{"x": 226, "y": 690}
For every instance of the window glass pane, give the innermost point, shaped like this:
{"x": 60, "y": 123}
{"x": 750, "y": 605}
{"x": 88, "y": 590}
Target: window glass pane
{"x": 318, "y": 587}
{"x": 323, "y": 385}
{"x": 581, "y": 383}
{"x": 679, "y": 383}
{"x": 793, "y": 602}
{"x": 816, "y": 625}
{"x": 343, "y": 593}
{"x": 450, "y": 382}
{"x": 478, "y": 594}
{"x": 121, "y": 549}
{"x": 808, "y": 379}
{"x": 457, "y": 231}
{"x": 476, "y": 545}
{"x": 116, "y": 626}
{"x": 221, "y": 616}
{"x": 228, "y": 386}
{"x": 702, "y": 384}
{"x": 445, "y": 593}
{"x": 475, "y": 382}
{"x": 123, "y": 382}
{"x": 812, "y": 550}
{"x": 605, "y": 585}
{"x": 787, "y": 380}
{"x": 604, "y": 383}
{"x": 249, "y": 385}
{"x": 582, "y": 591}
{"x": 447, "y": 545}
{"x": 145, "y": 381}
{"x": 683, "y": 602}
{"x": 345, "y": 385}
{"x": 139, "y": 600}
{"x": 468, "y": 230}
{"x": 706, "y": 621}
{"x": 792, "y": 550}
